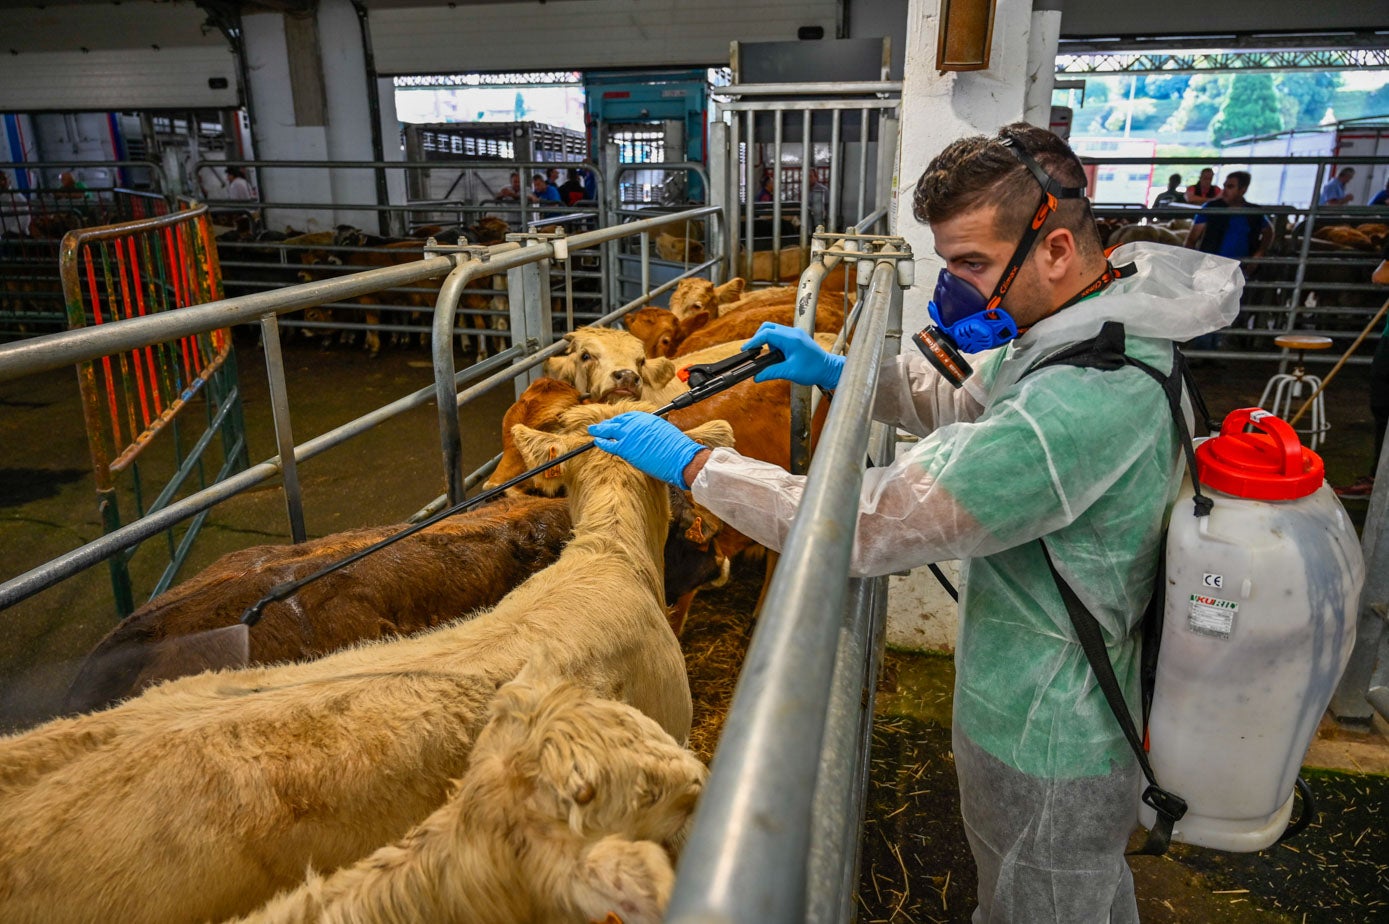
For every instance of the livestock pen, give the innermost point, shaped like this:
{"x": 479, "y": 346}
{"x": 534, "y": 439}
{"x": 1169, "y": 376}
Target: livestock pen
{"x": 833, "y": 822}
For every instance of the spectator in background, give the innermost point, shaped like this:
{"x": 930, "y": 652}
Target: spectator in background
{"x": 238, "y": 187}
{"x": 1204, "y": 190}
{"x": 14, "y": 210}
{"x": 1379, "y": 392}
{"x": 590, "y": 184}
{"x": 573, "y": 189}
{"x": 542, "y": 191}
{"x": 1171, "y": 194}
{"x": 1334, "y": 192}
{"x": 1240, "y": 237}
{"x": 552, "y": 177}
{"x": 1382, "y": 197}
{"x": 765, "y": 192}
{"x": 513, "y": 191}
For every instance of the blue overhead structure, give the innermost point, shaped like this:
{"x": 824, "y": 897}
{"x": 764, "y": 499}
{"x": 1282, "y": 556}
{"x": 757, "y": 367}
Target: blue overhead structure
{"x": 620, "y": 101}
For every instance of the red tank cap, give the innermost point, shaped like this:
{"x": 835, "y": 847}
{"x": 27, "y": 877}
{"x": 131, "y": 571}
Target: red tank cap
{"x": 1269, "y": 464}
{"x": 683, "y": 373}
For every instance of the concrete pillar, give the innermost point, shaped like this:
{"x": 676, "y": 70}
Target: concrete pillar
{"x": 1041, "y": 61}
{"x": 308, "y": 86}
{"x": 938, "y": 108}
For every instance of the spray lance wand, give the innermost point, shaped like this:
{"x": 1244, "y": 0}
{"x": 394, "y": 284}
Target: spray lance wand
{"x": 705, "y": 380}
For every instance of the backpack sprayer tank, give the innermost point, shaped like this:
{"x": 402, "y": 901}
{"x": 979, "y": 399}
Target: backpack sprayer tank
{"x": 1259, "y": 622}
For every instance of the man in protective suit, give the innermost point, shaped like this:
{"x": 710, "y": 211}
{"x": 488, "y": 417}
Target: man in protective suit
{"x": 1084, "y": 460}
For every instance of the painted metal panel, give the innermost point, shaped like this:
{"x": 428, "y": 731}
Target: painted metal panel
{"x": 137, "y": 78}
{"x": 594, "y": 33}
{"x": 133, "y": 55}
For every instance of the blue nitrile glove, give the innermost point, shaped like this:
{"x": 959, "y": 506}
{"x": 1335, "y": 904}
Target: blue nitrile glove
{"x": 806, "y": 363}
{"x": 647, "y": 443}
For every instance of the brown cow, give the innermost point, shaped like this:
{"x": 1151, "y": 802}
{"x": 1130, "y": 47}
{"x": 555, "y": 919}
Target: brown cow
{"x": 460, "y": 564}
{"x": 741, "y": 325}
{"x": 661, "y": 331}
{"x": 693, "y": 295}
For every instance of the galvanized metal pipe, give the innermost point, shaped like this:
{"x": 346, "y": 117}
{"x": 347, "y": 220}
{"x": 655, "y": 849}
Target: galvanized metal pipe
{"x": 862, "y": 164}
{"x": 836, "y": 118}
{"x": 745, "y": 862}
{"x": 284, "y": 435}
{"x": 751, "y": 194}
{"x": 807, "y": 168}
{"x": 844, "y": 88}
{"x": 777, "y": 129}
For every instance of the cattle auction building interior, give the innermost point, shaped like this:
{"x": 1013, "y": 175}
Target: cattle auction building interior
{"x": 305, "y": 308}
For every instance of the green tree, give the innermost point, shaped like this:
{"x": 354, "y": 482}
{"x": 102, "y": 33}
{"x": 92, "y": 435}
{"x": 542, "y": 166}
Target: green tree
{"x": 1304, "y": 95}
{"x": 1377, "y": 103}
{"x": 1200, "y": 102}
{"x": 1250, "y": 108}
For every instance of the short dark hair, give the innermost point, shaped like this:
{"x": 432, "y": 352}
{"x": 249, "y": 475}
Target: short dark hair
{"x": 1174, "y": 180}
{"x": 1346, "y": 171}
{"x": 978, "y": 171}
{"x": 537, "y": 178}
{"x": 1241, "y": 178}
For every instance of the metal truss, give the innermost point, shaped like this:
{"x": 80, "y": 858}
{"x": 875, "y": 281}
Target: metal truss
{"x": 1187, "y": 62}
{"x": 519, "y": 79}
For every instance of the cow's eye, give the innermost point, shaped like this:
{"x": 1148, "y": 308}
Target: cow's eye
{"x": 641, "y": 362}
{"x": 585, "y": 356}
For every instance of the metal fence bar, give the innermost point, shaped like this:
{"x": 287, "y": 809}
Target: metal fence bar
{"x": 284, "y": 435}
{"x": 746, "y": 857}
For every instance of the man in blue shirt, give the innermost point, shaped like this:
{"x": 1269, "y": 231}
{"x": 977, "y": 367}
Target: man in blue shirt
{"x": 1382, "y": 197}
{"x": 542, "y": 191}
{"x": 1334, "y": 192}
{"x": 1239, "y": 237}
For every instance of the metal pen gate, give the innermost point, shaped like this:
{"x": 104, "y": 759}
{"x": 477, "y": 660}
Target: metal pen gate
{"x": 829, "y": 150}
{"x": 130, "y": 398}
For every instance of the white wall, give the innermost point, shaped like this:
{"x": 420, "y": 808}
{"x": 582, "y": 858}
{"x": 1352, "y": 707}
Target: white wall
{"x": 453, "y": 38}
{"x": 938, "y": 108}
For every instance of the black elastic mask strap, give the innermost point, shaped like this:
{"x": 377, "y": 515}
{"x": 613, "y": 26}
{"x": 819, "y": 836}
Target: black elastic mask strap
{"x": 1052, "y": 190}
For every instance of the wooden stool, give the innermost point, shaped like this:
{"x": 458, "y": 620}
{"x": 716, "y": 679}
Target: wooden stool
{"x": 1285, "y": 388}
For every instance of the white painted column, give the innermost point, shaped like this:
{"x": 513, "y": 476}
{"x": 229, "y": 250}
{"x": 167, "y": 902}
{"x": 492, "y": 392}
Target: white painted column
{"x": 938, "y": 108}
{"x": 1042, "y": 42}
{"x": 345, "y": 132}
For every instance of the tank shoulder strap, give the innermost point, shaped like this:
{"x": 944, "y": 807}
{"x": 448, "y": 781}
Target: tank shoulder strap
{"x": 1106, "y": 351}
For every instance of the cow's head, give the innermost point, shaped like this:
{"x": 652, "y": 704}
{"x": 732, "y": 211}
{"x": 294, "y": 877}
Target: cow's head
{"x": 608, "y": 365}
{"x": 540, "y": 407}
{"x": 693, "y": 295}
{"x": 490, "y": 230}
{"x": 588, "y": 767}
{"x": 661, "y": 331}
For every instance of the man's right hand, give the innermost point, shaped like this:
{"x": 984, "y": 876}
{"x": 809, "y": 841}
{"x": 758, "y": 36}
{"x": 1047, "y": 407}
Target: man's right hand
{"x": 806, "y": 362}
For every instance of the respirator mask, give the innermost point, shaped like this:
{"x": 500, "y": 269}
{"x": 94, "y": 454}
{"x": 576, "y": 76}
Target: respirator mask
{"x": 964, "y": 321}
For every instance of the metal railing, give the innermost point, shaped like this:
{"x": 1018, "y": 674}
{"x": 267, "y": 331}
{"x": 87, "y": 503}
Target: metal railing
{"x": 753, "y": 134}
{"x": 786, "y": 789}
{"x": 1305, "y": 282}
{"x": 527, "y": 267}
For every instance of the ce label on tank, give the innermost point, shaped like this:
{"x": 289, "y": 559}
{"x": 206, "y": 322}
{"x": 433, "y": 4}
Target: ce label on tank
{"x": 1212, "y": 580}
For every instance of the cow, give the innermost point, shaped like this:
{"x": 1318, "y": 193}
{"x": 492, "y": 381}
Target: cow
{"x": 693, "y": 295}
{"x": 458, "y": 566}
{"x": 607, "y": 365}
{"x": 742, "y": 324}
{"x": 203, "y": 797}
{"x": 662, "y": 331}
{"x": 569, "y": 811}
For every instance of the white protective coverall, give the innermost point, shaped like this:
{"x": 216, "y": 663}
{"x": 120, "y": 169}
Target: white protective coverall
{"x": 1088, "y": 459}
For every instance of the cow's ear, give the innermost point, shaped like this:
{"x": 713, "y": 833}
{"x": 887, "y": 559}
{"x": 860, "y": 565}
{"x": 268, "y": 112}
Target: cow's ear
{"x": 712, "y": 433}
{"x": 657, "y": 372}
{"x": 537, "y": 447}
{"x": 627, "y": 320}
{"x": 564, "y": 367}
{"x": 730, "y": 291}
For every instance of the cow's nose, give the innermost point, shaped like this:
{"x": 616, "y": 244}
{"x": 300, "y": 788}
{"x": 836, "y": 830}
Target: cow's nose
{"x": 625, "y": 378}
